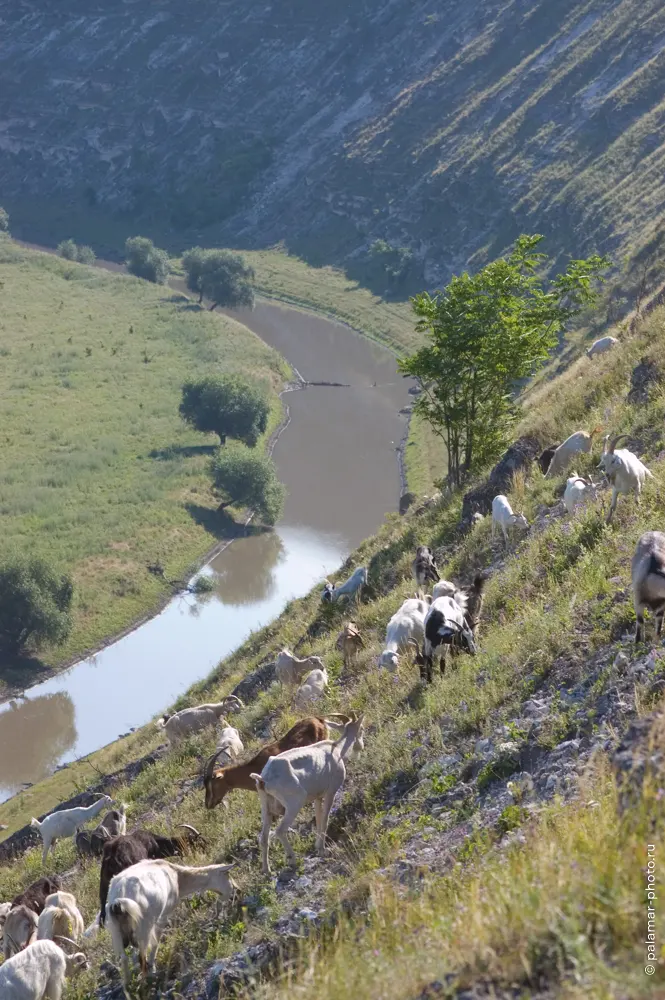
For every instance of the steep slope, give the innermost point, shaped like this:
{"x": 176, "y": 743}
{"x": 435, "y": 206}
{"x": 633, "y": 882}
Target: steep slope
{"x": 448, "y": 127}
{"x": 442, "y": 877}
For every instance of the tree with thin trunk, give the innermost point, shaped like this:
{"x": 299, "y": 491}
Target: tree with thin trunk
{"x": 248, "y": 479}
{"x": 486, "y": 333}
{"x": 227, "y": 405}
{"x": 222, "y": 277}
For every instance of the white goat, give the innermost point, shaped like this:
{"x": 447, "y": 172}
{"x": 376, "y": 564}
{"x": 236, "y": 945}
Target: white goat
{"x": 229, "y": 743}
{"x": 312, "y": 688}
{"x": 304, "y": 774}
{"x": 65, "y": 822}
{"x": 290, "y": 670}
{"x": 142, "y": 897}
{"x": 444, "y": 588}
{"x": 4, "y": 910}
{"x": 601, "y": 346}
{"x": 578, "y": 490}
{"x": 19, "y": 931}
{"x": 60, "y": 917}
{"x": 38, "y": 972}
{"x": 502, "y": 514}
{"x": 192, "y": 720}
{"x": 407, "y": 624}
{"x": 648, "y": 579}
{"x": 624, "y": 470}
{"x": 579, "y": 442}
{"x": 350, "y": 588}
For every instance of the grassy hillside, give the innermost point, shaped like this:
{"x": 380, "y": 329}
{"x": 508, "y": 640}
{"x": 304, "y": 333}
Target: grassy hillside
{"x": 441, "y": 876}
{"x": 98, "y": 473}
{"x": 444, "y": 127}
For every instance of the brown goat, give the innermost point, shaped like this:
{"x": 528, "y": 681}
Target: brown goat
{"x": 35, "y": 895}
{"x": 219, "y": 782}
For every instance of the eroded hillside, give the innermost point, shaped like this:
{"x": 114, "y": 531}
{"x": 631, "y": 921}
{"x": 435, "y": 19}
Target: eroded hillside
{"x": 447, "y": 127}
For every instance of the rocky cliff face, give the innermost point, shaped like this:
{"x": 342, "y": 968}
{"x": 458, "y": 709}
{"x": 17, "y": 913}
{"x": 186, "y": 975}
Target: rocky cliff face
{"x": 444, "y": 126}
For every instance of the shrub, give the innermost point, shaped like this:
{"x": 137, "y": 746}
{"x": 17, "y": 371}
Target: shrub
{"x": 249, "y": 480}
{"x": 221, "y": 276}
{"x": 82, "y": 254}
{"x": 147, "y": 261}
{"x": 227, "y": 405}
{"x": 35, "y": 605}
{"x": 4, "y": 220}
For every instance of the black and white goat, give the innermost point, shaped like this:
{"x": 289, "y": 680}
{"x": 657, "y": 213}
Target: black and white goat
{"x": 446, "y": 627}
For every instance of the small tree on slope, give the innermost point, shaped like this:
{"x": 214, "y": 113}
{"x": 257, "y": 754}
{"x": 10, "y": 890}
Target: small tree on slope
{"x": 248, "y": 479}
{"x": 145, "y": 260}
{"x": 486, "y": 333}
{"x": 220, "y": 276}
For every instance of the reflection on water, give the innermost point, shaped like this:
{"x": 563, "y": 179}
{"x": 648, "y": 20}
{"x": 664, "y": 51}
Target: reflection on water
{"x": 27, "y": 760}
{"x": 338, "y": 461}
{"x": 238, "y": 581}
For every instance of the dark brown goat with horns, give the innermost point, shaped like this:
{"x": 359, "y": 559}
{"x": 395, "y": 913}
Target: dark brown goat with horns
{"x": 219, "y": 781}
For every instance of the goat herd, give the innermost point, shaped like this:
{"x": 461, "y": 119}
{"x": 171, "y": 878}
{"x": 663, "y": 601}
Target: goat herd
{"x": 42, "y": 927}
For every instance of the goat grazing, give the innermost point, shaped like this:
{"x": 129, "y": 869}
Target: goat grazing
{"x": 407, "y": 623}
{"x": 648, "y": 579}
{"x": 65, "y": 822}
{"x": 446, "y": 626}
{"x": 60, "y": 917}
{"x": 444, "y": 588}
{"x": 142, "y": 897}
{"x": 502, "y": 514}
{"x": 312, "y": 688}
{"x": 349, "y": 642}
{"x": 350, "y": 588}
{"x": 124, "y": 851}
{"x": 35, "y": 896}
{"x": 91, "y": 842}
{"x": 601, "y": 346}
{"x": 38, "y": 972}
{"x": 624, "y": 471}
{"x": 578, "y": 490}
{"x": 19, "y": 931}
{"x": 474, "y": 601}
{"x": 545, "y": 458}
{"x": 192, "y": 720}
{"x": 229, "y": 743}
{"x": 289, "y": 670}
{"x": 304, "y": 774}
{"x": 579, "y": 442}
{"x": 424, "y": 568}
{"x": 219, "y": 782}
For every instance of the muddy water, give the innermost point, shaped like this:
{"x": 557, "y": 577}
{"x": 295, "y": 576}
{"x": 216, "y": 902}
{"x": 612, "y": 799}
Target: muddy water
{"x": 339, "y": 461}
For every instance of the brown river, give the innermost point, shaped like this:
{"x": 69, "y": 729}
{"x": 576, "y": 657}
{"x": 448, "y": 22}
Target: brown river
{"x": 338, "y": 457}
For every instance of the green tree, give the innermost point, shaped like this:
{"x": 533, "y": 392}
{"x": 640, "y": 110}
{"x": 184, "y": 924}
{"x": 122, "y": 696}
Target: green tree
{"x": 145, "y": 260}
{"x": 35, "y": 605}
{"x": 395, "y": 262}
{"x": 248, "y": 479}
{"x": 227, "y": 405}
{"x": 67, "y": 249}
{"x": 4, "y": 220}
{"x": 193, "y": 262}
{"x": 71, "y": 251}
{"x": 226, "y": 280}
{"x": 486, "y": 333}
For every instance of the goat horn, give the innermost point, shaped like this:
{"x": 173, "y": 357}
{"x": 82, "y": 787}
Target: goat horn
{"x": 338, "y": 715}
{"x": 188, "y": 826}
{"x": 61, "y": 937}
{"x": 210, "y": 764}
{"x": 233, "y": 697}
{"x": 413, "y": 642}
{"x": 613, "y": 443}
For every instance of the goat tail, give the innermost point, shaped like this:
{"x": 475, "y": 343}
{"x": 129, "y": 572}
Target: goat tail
{"x": 260, "y": 783}
{"x": 127, "y": 915}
